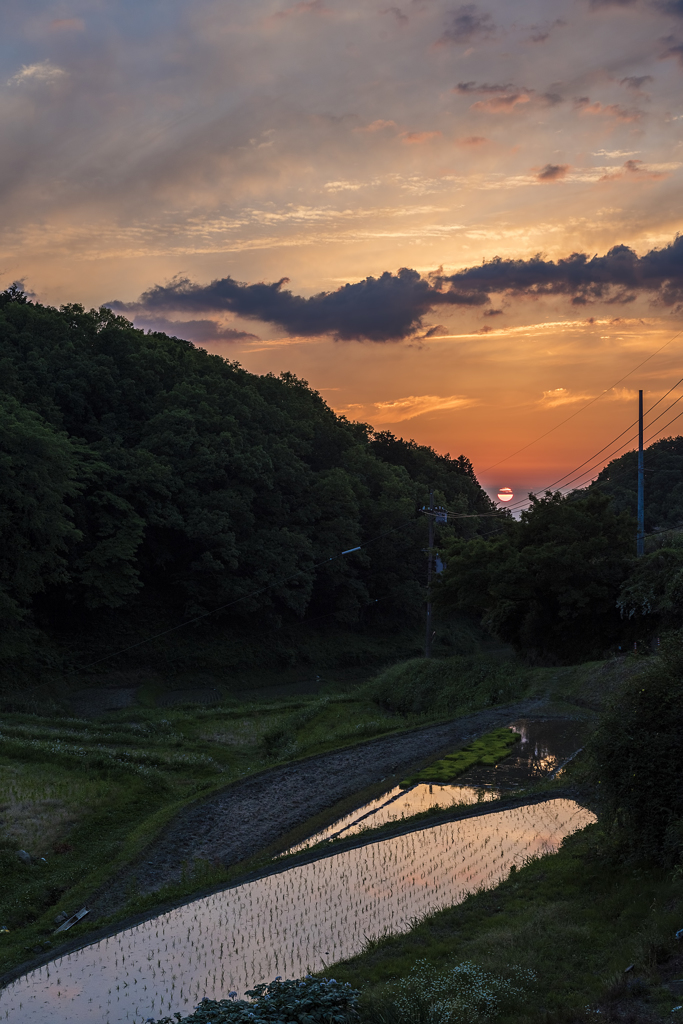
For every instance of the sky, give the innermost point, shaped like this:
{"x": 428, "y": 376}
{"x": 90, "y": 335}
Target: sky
{"x": 458, "y": 222}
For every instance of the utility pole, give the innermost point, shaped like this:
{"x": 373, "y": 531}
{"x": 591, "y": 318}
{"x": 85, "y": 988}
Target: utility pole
{"x": 428, "y": 640}
{"x": 640, "y": 536}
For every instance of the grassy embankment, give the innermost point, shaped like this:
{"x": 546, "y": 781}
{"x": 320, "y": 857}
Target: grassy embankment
{"x": 89, "y": 795}
{"x": 574, "y": 919}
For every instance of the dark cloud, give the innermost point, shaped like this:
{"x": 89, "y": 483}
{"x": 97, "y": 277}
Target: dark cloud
{"x": 505, "y": 97}
{"x": 674, "y": 7}
{"x": 392, "y": 306}
{"x": 199, "y": 331}
{"x": 466, "y": 23}
{"x": 401, "y": 18}
{"x": 615, "y": 277}
{"x": 672, "y": 48}
{"x": 540, "y": 33}
{"x": 377, "y": 309}
{"x": 467, "y": 88}
{"x": 553, "y": 172}
{"x": 636, "y": 81}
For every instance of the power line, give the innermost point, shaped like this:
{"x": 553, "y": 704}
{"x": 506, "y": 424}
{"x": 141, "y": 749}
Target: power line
{"x": 583, "y": 407}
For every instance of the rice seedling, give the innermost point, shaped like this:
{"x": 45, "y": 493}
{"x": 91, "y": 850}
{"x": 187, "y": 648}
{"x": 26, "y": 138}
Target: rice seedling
{"x": 288, "y": 923}
{"x": 487, "y": 750}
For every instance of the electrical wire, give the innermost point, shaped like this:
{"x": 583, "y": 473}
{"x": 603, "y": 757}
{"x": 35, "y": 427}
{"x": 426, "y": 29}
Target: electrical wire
{"x": 583, "y": 407}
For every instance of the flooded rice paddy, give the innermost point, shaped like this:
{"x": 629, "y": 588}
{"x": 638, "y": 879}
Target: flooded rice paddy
{"x": 287, "y": 923}
{"x": 544, "y": 747}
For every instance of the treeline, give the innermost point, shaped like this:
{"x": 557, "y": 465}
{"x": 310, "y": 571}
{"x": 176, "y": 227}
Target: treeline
{"x": 144, "y": 482}
{"x": 563, "y": 584}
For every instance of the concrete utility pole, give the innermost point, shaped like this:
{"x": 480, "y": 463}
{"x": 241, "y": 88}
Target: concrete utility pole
{"x": 428, "y": 640}
{"x": 640, "y": 536}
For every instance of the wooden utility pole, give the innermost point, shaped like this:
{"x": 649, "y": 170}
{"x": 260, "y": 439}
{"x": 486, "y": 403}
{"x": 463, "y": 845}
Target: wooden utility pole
{"x": 640, "y": 536}
{"x": 428, "y": 640}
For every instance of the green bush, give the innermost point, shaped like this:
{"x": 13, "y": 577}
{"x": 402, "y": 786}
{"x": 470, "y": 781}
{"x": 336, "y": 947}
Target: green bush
{"x": 305, "y": 1001}
{"x": 636, "y": 759}
{"x": 463, "y": 993}
{"x": 448, "y": 685}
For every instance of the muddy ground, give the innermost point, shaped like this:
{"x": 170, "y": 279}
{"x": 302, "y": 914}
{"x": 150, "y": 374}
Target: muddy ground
{"x": 255, "y": 813}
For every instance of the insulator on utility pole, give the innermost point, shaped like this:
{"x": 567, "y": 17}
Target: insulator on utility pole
{"x": 640, "y": 536}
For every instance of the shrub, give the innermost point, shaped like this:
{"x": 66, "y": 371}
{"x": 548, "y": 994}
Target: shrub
{"x": 636, "y": 759}
{"x": 460, "y": 994}
{"x": 447, "y": 685}
{"x": 305, "y": 1001}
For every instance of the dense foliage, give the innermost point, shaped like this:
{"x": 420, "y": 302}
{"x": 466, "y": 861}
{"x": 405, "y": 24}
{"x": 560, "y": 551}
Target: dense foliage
{"x": 307, "y": 1000}
{"x": 549, "y": 583}
{"x": 663, "y": 484}
{"x": 145, "y": 481}
{"x": 637, "y": 759}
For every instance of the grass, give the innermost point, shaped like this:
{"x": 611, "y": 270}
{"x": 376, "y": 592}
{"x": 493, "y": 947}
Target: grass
{"x": 488, "y": 749}
{"x": 89, "y": 795}
{"x": 574, "y": 919}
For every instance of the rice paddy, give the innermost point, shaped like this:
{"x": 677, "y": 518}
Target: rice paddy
{"x": 286, "y": 923}
{"x": 488, "y": 750}
{"x": 539, "y": 748}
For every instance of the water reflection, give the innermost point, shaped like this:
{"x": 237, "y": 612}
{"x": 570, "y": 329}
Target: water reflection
{"x": 544, "y": 746}
{"x": 286, "y": 923}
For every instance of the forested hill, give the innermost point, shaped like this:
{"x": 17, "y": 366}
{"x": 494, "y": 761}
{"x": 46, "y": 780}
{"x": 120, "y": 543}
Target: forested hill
{"x": 145, "y": 481}
{"x": 663, "y": 484}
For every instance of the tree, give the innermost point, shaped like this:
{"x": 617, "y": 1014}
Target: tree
{"x": 548, "y": 584}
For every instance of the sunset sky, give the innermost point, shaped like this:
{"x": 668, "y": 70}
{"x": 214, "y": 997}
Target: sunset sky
{"x": 165, "y": 157}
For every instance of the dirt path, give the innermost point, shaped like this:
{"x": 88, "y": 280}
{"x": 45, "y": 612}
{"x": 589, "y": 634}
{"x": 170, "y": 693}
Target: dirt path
{"x": 251, "y": 814}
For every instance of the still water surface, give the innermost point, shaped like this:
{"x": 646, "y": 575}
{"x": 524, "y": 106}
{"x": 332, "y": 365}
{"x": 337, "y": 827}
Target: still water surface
{"x": 286, "y": 923}
{"x": 544, "y": 746}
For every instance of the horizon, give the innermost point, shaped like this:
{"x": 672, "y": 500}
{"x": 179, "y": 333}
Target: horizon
{"x": 255, "y": 179}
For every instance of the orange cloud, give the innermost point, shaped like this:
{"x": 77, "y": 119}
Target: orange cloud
{"x": 471, "y": 140}
{"x": 376, "y": 126}
{"x": 418, "y": 138}
{"x": 504, "y": 104}
{"x": 635, "y": 169}
{"x": 614, "y": 110}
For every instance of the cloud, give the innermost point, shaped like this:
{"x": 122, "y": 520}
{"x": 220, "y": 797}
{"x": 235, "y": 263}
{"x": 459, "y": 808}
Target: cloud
{"x": 553, "y": 172}
{"x": 392, "y": 306}
{"x": 540, "y": 33}
{"x": 41, "y": 72}
{"x": 562, "y": 396}
{"x": 385, "y": 308}
{"x": 635, "y": 169}
{"x": 622, "y": 114}
{"x": 471, "y": 140}
{"x": 465, "y": 24}
{"x": 198, "y": 331}
{"x": 418, "y": 138}
{"x": 401, "y": 18}
{"x": 67, "y": 25}
{"x": 504, "y": 98}
{"x": 672, "y": 48}
{"x": 407, "y": 408}
{"x": 304, "y": 7}
{"x": 466, "y": 88}
{"x": 615, "y": 277}
{"x": 636, "y": 82}
{"x": 376, "y": 126}
{"x": 674, "y": 7}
